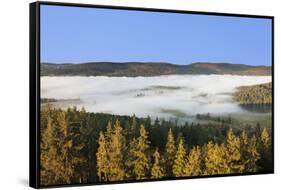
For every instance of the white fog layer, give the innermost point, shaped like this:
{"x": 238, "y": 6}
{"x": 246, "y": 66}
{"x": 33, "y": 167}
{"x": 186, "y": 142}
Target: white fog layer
{"x": 161, "y": 96}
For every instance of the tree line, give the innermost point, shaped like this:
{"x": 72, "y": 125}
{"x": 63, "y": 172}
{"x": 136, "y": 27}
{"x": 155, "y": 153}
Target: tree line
{"x": 81, "y": 147}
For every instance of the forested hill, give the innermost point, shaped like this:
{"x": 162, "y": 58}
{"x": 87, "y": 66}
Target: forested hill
{"x": 256, "y": 94}
{"x": 133, "y": 69}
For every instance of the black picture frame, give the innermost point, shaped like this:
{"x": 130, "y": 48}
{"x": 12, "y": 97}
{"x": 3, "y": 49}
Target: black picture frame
{"x": 34, "y": 88}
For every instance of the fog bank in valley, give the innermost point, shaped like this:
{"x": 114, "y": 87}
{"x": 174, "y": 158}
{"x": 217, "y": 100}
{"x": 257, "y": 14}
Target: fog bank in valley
{"x": 162, "y": 96}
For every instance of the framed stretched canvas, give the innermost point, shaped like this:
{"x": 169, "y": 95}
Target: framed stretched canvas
{"x": 121, "y": 94}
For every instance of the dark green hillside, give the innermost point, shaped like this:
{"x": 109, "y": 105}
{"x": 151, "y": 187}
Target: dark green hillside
{"x": 133, "y": 69}
{"x": 257, "y": 94}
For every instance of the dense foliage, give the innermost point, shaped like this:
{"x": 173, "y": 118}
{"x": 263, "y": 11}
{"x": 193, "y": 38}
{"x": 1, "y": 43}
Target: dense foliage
{"x": 257, "y": 94}
{"x": 81, "y": 147}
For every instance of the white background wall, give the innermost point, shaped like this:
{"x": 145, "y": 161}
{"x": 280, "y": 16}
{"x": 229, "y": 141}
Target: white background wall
{"x": 14, "y": 95}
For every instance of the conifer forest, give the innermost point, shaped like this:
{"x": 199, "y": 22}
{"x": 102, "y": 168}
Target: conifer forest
{"x": 132, "y": 95}
{"x": 84, "y": 147}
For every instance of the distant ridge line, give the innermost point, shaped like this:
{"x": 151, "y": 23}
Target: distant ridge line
{"x": 133, "y": 69}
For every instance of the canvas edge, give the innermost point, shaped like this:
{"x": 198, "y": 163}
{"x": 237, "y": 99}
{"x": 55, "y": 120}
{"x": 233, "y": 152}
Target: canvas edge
{"x": 34, "y": 90}
{"x": 34, "y": 97}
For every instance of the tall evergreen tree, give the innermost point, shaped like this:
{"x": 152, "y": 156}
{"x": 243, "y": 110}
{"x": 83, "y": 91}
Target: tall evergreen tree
{"x": 156, "y": 171}
{"x": 253, "y": 156}
{"x": 233, "y": 153}
{"x": 249, "y": 153}
{"x": 170, "y": 152}
{"x": 131, "y": 159}
{"x": 216, "y": 159}
{"x": 180, "y": 160}
{"x": 56, "y": 158}
{"x": 64, "y": 142}
{"x": 265, "y": 161}
{"x": 193, "y": 164}
{"x": 115, "y": 154}
{"x": 48, "y": 160}
{"x": 140, "y": 162}
{"x": 265, "y": 139}
{"x": 102, "y": 159}
{"x": 244, "y": 148}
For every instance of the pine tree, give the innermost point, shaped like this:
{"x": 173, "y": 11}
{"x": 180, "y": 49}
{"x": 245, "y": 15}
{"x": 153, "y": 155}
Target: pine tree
{"x": 131, "y": 159}
{"x": 251, "y": 164}
{"x": 179, "y": 163}
{"x": 76, "y": 130}
{"x": 244, "y": 147}
{"x": 249, "y": 153}
{"x": 102, "y": 159}
{"x": 215, "y": 159}
{"x": 233, "y": 153}
{"x": 115, "y": 154}
{"x": 139, "y": 163}
{"x": 266, "y": 160}
{"x": 49, "y": 163}
{"x": 170, "y": 152}
{"x": 156, "y": 171}
{"x": 193, "y": 164}
{"x": 64, "y": 142}
{"x": 265, "y": 139}
{"x": 56, "y": 157}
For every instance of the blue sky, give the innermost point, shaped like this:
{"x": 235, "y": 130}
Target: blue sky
{"x": 77, "y": 35}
